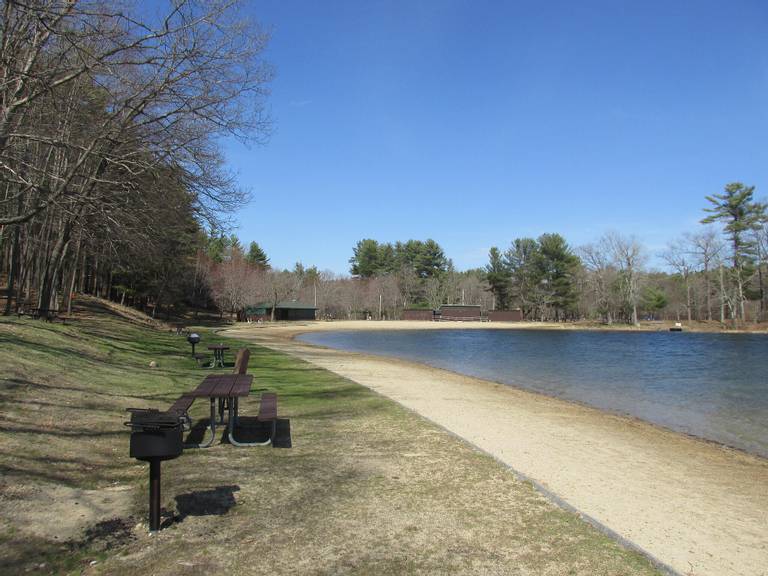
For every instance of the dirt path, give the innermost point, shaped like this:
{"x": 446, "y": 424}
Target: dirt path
{"x": 697, "y": 507}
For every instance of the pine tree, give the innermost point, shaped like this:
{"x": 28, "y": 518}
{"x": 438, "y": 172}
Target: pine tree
{"x": 740, "y": 214}
{"x": 498, "y": 276}
{"x": 365, "y": 258}
{"x": 257, "y": 257}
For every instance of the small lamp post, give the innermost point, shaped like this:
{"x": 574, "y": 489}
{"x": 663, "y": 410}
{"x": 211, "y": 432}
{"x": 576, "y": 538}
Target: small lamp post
{"x": 193, "y": 339}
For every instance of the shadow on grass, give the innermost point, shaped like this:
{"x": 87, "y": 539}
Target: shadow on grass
{"x": 16, "y": 383}
{"x": 34, "y": 555}
{"x": 215, "y": 502}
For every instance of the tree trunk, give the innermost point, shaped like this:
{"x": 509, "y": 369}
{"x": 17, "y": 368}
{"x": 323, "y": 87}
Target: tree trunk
{"x": 722, "y": 295}
{"x": 12, "y": 273}
{"x": 760, "y": 282}
{"x": 95, "y": 273}
{"x": 70, "y": 286}
{"x": 109, "y": 286}
{"x": 709, "y": 290}
{"x": 48, "y": 280}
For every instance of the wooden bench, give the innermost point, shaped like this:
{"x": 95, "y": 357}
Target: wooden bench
{"x": 268, "y": 407}
{"x": 200, "y": 358}
{"x": 241, "y": 361}
{"x": 181, "y": 407}
{"x": 44, "y": 313}
{"x": 268, "y": 411}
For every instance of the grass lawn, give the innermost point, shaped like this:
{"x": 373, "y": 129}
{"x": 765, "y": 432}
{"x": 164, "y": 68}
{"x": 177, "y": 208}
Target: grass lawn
{"x": 367, "y": 488}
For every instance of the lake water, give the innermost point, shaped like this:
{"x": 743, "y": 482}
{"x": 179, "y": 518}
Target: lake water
{"x": 710, "y": 385}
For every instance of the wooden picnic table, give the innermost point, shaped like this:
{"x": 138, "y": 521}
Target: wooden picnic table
{"x": 36, "y": 313}
{"x": 226, "y": 389}
{"x": 218, "y": 354}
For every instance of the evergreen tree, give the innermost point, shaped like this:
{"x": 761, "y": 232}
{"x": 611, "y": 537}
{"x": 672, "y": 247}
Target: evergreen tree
{"x": 387, "y": 263}
{"x": 740, "y": 214}
{"x": 557, "y": 266}
{"x": 365, "y": 258}
{"x": 498, "y": 276}
{"x": 430, "y": 260}
{"x": 525, "y": 276}
{"x": 257, "y": 257}
{"x": 653, "y": 299}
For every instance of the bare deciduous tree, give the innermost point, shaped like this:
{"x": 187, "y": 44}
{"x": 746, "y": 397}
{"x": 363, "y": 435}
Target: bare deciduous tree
{"x": 707, "y": 248}
{"x": 102, "y": 104}
{"x": 628, "y": 258}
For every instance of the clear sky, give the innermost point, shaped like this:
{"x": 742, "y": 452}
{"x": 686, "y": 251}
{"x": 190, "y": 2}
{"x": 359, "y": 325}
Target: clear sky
{"x": 476, "y": 122}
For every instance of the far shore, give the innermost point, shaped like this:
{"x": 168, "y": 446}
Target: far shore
{"x": 644, "y": 326}
{"x": 693, "y": 505}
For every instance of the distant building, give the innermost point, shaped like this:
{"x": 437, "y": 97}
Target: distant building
{"x": 283, "y": 311}
{"x": 515, "y": 315}
{"x": 418, "y": 314}
{"x": 460, "y": 312}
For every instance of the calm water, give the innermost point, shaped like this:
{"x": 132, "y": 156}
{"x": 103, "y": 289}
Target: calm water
{"x": 710, "y": 385}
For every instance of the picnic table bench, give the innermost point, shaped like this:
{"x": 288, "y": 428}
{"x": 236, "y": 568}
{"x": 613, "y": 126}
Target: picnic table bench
{"x": 45, "y": 313}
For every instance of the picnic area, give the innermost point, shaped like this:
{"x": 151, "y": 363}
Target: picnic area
{"x": 365, "y": 487}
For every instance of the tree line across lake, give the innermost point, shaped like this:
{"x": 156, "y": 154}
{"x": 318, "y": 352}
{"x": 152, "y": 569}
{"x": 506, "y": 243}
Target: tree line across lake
{"x": 715, "y": 273}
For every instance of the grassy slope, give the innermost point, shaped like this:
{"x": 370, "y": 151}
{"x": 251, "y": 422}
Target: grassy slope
{"x": 367, "y": 488}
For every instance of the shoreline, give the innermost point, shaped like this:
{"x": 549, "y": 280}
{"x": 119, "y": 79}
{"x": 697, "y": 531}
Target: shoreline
{"x": 683, "y": 500}
{"x": 696, "y": 327}
{"x": 544, "y": 395}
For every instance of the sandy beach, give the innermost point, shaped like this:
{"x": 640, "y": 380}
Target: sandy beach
{"x": 694, "y": 506}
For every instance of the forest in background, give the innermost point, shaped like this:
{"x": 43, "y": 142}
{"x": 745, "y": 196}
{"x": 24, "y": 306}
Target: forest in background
{"x": 113, "y": 184}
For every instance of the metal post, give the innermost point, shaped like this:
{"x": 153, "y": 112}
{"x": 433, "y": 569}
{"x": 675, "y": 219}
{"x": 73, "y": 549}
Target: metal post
{"x": 193, "y": 348}
{"x": 154, "y": 494}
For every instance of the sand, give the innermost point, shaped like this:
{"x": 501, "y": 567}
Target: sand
{"x": 694, "y": 506}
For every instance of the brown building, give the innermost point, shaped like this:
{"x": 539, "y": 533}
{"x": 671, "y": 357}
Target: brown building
{"x": 460, "y": 312}
{"x": 505, "y": 315}
{"x": 418, "y": 314}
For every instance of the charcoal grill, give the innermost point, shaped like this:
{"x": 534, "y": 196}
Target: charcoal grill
{"x": 193, "y": 339}
{"x": 155, "y": 436}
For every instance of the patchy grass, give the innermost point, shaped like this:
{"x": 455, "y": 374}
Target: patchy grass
{"x": 368, "y": 487}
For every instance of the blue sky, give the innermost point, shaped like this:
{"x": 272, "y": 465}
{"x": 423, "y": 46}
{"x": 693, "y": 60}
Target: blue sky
{"x": 476, "y": 122}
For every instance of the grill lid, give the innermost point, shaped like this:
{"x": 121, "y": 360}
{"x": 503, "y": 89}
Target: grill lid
{"x": 153, "y": 420}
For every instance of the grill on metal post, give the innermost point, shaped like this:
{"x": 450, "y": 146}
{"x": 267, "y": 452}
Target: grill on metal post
{"x": 155, "y": 436}
{"x": 193, "y": 339}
